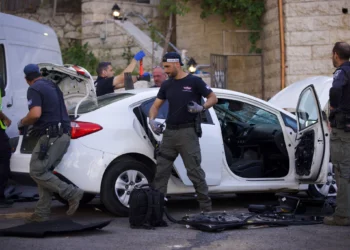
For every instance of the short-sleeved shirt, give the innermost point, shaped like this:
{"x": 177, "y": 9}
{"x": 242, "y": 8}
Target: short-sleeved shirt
{"x": 339, "y": 82}
{"x": 179, "y": 93}
{"x": 104, "y": 85}
{"x": 45, "y": 94}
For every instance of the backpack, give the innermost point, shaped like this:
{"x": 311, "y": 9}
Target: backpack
{"x": 146, "y": 208}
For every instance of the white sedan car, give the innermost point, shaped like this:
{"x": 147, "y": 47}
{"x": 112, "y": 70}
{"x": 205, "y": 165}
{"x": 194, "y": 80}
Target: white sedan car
{"x": 248, "y": 145}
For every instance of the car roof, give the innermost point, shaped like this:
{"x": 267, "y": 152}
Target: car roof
{"x": 145, "y": 93}
{"x": 289, "y": 96}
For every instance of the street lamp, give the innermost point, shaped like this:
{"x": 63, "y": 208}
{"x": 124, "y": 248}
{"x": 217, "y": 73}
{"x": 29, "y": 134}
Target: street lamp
{"x": 116, "y": 12}
{"x": 192, "y": 65}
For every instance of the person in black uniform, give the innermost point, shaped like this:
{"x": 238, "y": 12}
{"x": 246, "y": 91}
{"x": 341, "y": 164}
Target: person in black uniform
{"x": 339, "y": 118}
{"x": 106, "y": 82}
{"x": 5, "y": 151}
{"x": 181, "y": 136}
{"x": 51, "y": 124}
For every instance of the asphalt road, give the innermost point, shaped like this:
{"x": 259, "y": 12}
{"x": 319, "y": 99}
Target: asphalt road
{"x": 119, "y": 235}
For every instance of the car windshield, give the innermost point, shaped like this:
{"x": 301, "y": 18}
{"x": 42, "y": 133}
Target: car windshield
{"x": 90, "y": 105}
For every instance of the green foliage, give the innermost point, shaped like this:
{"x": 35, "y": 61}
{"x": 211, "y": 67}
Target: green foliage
{"x": 80, "y": 55}
{"x": 248, "y": 12}
{"x": 176, "y": 7}
{"x": 127, "y": 54}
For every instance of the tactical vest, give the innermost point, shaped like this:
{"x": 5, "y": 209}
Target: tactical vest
{"x": 2, "y": 125}
{"x": 344, "y": 105}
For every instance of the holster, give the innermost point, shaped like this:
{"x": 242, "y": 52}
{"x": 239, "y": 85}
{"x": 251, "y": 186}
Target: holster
{"x": 198, "y": 127}
{"x": 44, "y": 148}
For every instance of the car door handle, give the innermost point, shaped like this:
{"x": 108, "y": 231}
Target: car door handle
{"x": 9, "y": 104}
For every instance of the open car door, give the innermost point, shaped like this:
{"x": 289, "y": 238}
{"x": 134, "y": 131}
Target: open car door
{"x": 312, "y": 151}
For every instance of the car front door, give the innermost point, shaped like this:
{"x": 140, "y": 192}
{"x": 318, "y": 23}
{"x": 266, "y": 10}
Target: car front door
{"x": 211, "y": 144}
{"x": 312, "y": 150}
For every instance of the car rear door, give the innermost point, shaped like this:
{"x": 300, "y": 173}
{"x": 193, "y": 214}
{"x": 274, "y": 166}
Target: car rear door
{"x": 312, "y": 150}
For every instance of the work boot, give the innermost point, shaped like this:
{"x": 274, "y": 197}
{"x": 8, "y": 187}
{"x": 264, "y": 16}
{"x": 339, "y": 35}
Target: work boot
{"x": 4, "y": 203}
{"x": 74, "y": 202}
{"x": 336, "y": 220}
{"x": 36, "y": 218}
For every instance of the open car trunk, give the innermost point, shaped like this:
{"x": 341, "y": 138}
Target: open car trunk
{"x": 74, "y": 81}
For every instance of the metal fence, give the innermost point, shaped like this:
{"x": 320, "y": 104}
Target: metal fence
{"x": 218, "y": 66}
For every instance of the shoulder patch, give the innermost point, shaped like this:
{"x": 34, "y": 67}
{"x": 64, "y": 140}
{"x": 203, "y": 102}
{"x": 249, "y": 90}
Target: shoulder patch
{"x": 336, "y": 73}
{"x": 30, "y": 102}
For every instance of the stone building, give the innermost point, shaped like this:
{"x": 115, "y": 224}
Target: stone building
{"x": 310, "y": 28}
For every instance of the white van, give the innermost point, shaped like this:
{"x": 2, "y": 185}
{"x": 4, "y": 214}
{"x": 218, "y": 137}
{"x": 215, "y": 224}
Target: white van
{"x": 22, "y": 42}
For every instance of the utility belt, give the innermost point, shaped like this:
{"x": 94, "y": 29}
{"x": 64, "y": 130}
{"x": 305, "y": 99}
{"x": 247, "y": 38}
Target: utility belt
{"x": 51, "y": 131}
{"x": 340, "y": 120}
{"x": 196, "y": 125}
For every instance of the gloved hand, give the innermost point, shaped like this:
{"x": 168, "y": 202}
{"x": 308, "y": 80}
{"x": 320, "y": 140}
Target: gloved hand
{"x": 145, "y": 77}
{"x": 139, "y": 55}
{"x": 194, "y": 107}
{"x": 20, "y": 126}
{"x": 157, "y": 127}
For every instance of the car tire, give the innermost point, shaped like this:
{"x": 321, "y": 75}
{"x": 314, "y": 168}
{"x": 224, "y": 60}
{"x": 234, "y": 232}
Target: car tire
{"x": 324, "y": 190}
{"x": 86, "y": 198}
{"x": 128, "y": 173}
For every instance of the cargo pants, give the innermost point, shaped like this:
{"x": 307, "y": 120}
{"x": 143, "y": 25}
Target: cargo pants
{"x": 185, "y": 142}
{"x": 41, "y": 173}
{"x": 340, "y": 157}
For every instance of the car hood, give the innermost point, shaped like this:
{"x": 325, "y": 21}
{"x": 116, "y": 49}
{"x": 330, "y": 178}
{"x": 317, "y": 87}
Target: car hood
{"x": 288, "y": 97}
{"x": 75, "y": 82}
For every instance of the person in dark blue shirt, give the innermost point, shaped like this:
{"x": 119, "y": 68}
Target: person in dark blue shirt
{"x": 339, "y": 102}
{"x": 51, "y": 124}
{"x": 184, "y": 93}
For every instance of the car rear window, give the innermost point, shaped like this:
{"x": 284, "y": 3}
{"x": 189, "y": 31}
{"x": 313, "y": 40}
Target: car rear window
{"x": 90, "y": 105}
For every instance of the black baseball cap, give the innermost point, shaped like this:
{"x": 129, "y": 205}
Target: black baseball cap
{"x": 172, "y": 57}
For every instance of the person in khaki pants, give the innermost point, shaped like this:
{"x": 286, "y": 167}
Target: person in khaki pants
{"x": 181, "y": 136}
{"x": 51, "y": 124}
{"x": 339, "y": 118}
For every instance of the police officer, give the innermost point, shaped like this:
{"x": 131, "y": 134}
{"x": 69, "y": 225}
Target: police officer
{"x": 339, "y": 118}
{"x": 5, "y": 151}
{"x": 181, "y": 136}
{"x": 51, "y": 124}
{"x": 106, "y": 82}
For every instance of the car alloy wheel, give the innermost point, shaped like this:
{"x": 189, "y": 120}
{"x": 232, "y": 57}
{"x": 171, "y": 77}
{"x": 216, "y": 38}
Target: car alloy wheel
{"x": 119, "y": 180}
{"x": 126, "y": 182}
{"x": 328, "y": 189}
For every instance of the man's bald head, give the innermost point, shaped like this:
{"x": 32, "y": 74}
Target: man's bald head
{"x": 341, "y": 53}
{"x": 159, "y": 76}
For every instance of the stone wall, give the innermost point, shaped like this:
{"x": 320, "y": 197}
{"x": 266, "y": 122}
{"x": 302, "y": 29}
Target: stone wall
{"x": 97, "y": 22}
{"x": 66, "y": 25}
{"x": 271, "y": 49}
{"x": 211, "y": 36}
{"x": 311, "y": 29}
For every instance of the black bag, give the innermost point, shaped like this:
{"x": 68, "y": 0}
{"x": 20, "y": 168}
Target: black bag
{"x": 146, "y": 208}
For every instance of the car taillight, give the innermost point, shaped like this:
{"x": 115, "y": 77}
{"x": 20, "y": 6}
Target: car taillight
{"x": 80, "y": 129}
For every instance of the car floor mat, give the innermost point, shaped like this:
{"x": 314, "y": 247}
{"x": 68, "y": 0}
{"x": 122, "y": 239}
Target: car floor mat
{"x": 219, "y": 221}
{"x": 51, "y": 227}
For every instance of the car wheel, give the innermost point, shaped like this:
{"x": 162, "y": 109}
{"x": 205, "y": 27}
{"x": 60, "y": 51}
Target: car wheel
{"x": 86, "y": 198}
{"x": 328, "y": 189}
{"x": 118, "y": 182}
